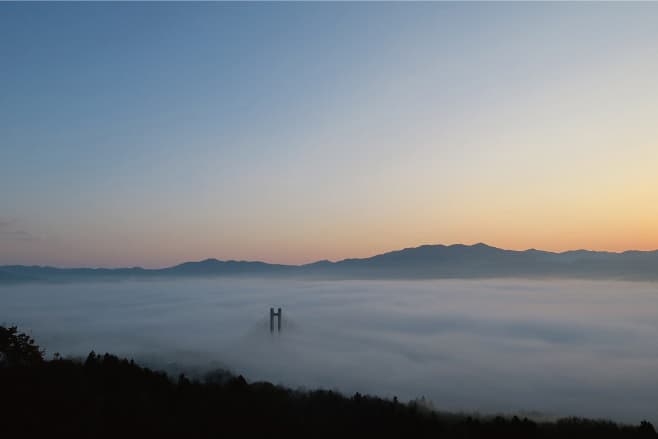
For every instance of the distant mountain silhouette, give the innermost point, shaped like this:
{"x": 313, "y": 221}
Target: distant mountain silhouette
{"x": 214, "y": 266}
{"x": 9, "y": 277}
{"x": 424, "y": 262}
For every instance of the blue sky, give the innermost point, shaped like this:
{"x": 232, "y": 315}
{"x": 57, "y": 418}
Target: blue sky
{"x": 146, "y": 134}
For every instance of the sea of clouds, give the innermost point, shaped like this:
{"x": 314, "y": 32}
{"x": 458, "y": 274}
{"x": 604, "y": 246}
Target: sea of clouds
{"x": 554, "y": 347}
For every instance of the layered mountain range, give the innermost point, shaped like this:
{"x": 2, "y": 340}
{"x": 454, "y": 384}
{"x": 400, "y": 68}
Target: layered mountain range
{"x": 424, "y": 262}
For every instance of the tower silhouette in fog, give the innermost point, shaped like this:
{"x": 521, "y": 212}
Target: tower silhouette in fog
{"x": 278, "y": 319}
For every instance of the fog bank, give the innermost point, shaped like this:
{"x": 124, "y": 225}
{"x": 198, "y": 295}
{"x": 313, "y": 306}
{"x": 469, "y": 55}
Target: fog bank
{"x": 582, "y": 348}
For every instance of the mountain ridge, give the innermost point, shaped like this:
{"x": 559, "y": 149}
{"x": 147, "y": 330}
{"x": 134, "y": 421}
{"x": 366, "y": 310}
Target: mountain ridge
{"x": 422, "y": 262}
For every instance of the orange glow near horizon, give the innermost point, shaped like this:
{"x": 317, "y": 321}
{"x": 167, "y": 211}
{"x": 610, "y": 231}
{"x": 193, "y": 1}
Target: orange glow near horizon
{"x": 517, "y": 125}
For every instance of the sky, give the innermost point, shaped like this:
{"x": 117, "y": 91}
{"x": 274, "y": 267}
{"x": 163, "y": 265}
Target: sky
{"x": 150, "y": 134}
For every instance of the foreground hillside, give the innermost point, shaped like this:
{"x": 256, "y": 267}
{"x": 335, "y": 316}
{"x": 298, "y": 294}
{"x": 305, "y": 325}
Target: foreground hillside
{"x": 104, "y": 396}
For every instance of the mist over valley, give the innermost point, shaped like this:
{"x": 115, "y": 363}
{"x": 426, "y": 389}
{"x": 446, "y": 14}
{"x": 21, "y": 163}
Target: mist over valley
{"x": 552, "y": 348}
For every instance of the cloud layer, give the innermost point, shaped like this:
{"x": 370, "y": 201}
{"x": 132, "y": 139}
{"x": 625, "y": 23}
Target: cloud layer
{"x": 560, "y": 348}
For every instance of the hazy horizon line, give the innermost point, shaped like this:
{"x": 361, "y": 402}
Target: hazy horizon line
{"x": 478, "y": 244}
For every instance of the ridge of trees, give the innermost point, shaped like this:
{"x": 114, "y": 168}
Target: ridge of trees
{"x": 106, "y": 396}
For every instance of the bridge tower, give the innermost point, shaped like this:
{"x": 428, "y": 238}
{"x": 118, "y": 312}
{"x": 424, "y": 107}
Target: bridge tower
{"x": 278, "y": 320}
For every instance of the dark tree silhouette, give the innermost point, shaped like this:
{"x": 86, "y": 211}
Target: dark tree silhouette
{"x": 17, "y": 348}
{"x": 105, "y": 396}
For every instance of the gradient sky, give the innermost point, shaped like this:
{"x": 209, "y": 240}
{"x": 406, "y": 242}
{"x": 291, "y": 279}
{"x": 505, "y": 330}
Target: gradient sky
{"x": 149, "y": 134}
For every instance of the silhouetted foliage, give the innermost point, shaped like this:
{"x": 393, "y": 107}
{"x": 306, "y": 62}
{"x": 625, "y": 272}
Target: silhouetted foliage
{"x": 105, "y": 396}
{"x": 17, "y": 348}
